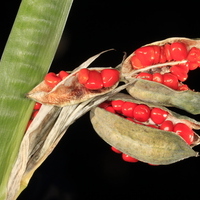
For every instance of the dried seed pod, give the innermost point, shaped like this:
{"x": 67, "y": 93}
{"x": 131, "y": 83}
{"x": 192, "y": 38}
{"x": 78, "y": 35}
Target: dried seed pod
{"x": 144, "y": 143}
{"x": 70, "y": 90}
{"x": 171, "y": 74}
{"x": 159, "y": 94}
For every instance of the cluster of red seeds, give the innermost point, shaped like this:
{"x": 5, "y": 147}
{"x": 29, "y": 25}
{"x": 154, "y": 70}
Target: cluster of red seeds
{"x": 177, "y": 51}
{"x": 95, "y": 80}
{"x": 144, "y": 115}
{"x": 34, "y": 113}
{"x": 91, "y": 79}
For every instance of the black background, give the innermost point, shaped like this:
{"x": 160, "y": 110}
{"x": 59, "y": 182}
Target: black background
{"x": 82, "y": 167}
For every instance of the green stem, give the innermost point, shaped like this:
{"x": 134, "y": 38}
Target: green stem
{"x": 26, "y": 59}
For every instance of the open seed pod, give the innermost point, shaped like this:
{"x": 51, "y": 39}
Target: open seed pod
{"x": 139, "y": 139}
{"x": 164, "y": 65}
{"x": 80, "y": 85}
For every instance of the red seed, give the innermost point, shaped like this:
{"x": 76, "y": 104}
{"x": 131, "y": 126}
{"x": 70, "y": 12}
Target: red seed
{"x": 105, "y": 104}
{"x": 141, "y": 112}
{"x": 158, "y": 115}
{"x": 117, "y": 105}
{"x": 183, "y": 87}
{"x": 178, "y": 51}
{"x": 146, "y": 55}
{"x": 167, "y": 50}
{"x": 127, "y": 109}
{"x": 94, "y": 81}
{"x": 145, "y": 76}
{"x": 157, "y": 77}
{"x": 115, "y": 150}
{"x": 110, "y": 109}
{"x": 163, "y": 58}
{"x": 179, "y": 72}
{"x": 194, "y": 55}
{"x": 192, "y": 65}
{"x": 51, "y": 79}
{"x": 63, "y": 74}
{"x": 167, "y": 126}
{"x": 185, "y": 132}
{"x": 110, "y": 77}
{"x": 37, "y": 106}
{"x": 157, "y": 51}
{"x": 83, "y": 76}
{"x": 136, "y": 63}
{"x": 128, "y": 158}
{"x": 170, "y": 80}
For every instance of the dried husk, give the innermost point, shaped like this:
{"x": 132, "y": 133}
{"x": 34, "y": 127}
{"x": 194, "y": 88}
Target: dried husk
{"x": 144, "y": 143}
{"x": 158, "y": 93}
{"x": 69, "y": 91}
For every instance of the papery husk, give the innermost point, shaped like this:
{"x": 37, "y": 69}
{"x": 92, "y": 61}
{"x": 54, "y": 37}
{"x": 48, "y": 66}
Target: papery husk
{"x": 144, "y": 143}
{"x": 44, "y": 133}
{"x": 69, "y": 91}
{"x": 158, "y": 93}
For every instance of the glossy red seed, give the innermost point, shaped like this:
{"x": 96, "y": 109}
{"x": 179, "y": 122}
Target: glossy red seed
{"x": 194, "y": 55}
{"x": 110, "y": 109}
{"x": 63, "y": 74}
{"x": 145, "y": 76}
{"x": 128, "y": 158}
{"x": 105, "y": 104}
{"x": 157, "y": 77}
{"x": 110, "y": 77}
{"x": 170, "y": 80}
{"x": 158, "y": 115}
{"x": 141, "y": 112}
{"x": 51, "y": 79}
{"x": 117, "y": 105}
{"x": 115, "y": 150}
{"x": 34, "y": 114}
{"x": 37, "y": 106}
{"x": 136, "y": 63}
{"x": 178, "y": 51}
{"x": 192, "y": 65}
{"x": 83, "y": 76}
{"x": 146, "y": 55}
{"x": 179, "y": 72}
{"x": 163, "y": 58}
{"x": 167, "y": 50}
{"x": 167, "y": 126}
{"x": 185, "y": 132}
{"x": 157, "y": 52}
{"x": 94, "y": 81}
{"x": 183, "y": 87}
{"x": 127, "y": 109}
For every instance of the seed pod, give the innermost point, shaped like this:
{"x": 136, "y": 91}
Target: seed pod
{"x": 69, "y": 91}
{"x": 158, "y": 93}
{"x": 144, "y": 143}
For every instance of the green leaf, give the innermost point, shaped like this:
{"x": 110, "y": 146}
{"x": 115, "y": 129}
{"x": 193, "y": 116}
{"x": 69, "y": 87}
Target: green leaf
{"x": 26, "y": 59}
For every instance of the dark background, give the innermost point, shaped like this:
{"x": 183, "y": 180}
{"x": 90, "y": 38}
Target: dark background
{"x": 82, "y": 167}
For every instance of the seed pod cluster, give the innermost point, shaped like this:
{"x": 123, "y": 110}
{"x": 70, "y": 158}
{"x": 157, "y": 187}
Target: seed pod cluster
{"x": 141, "y": 138}
{"x": 140, "y": 127}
